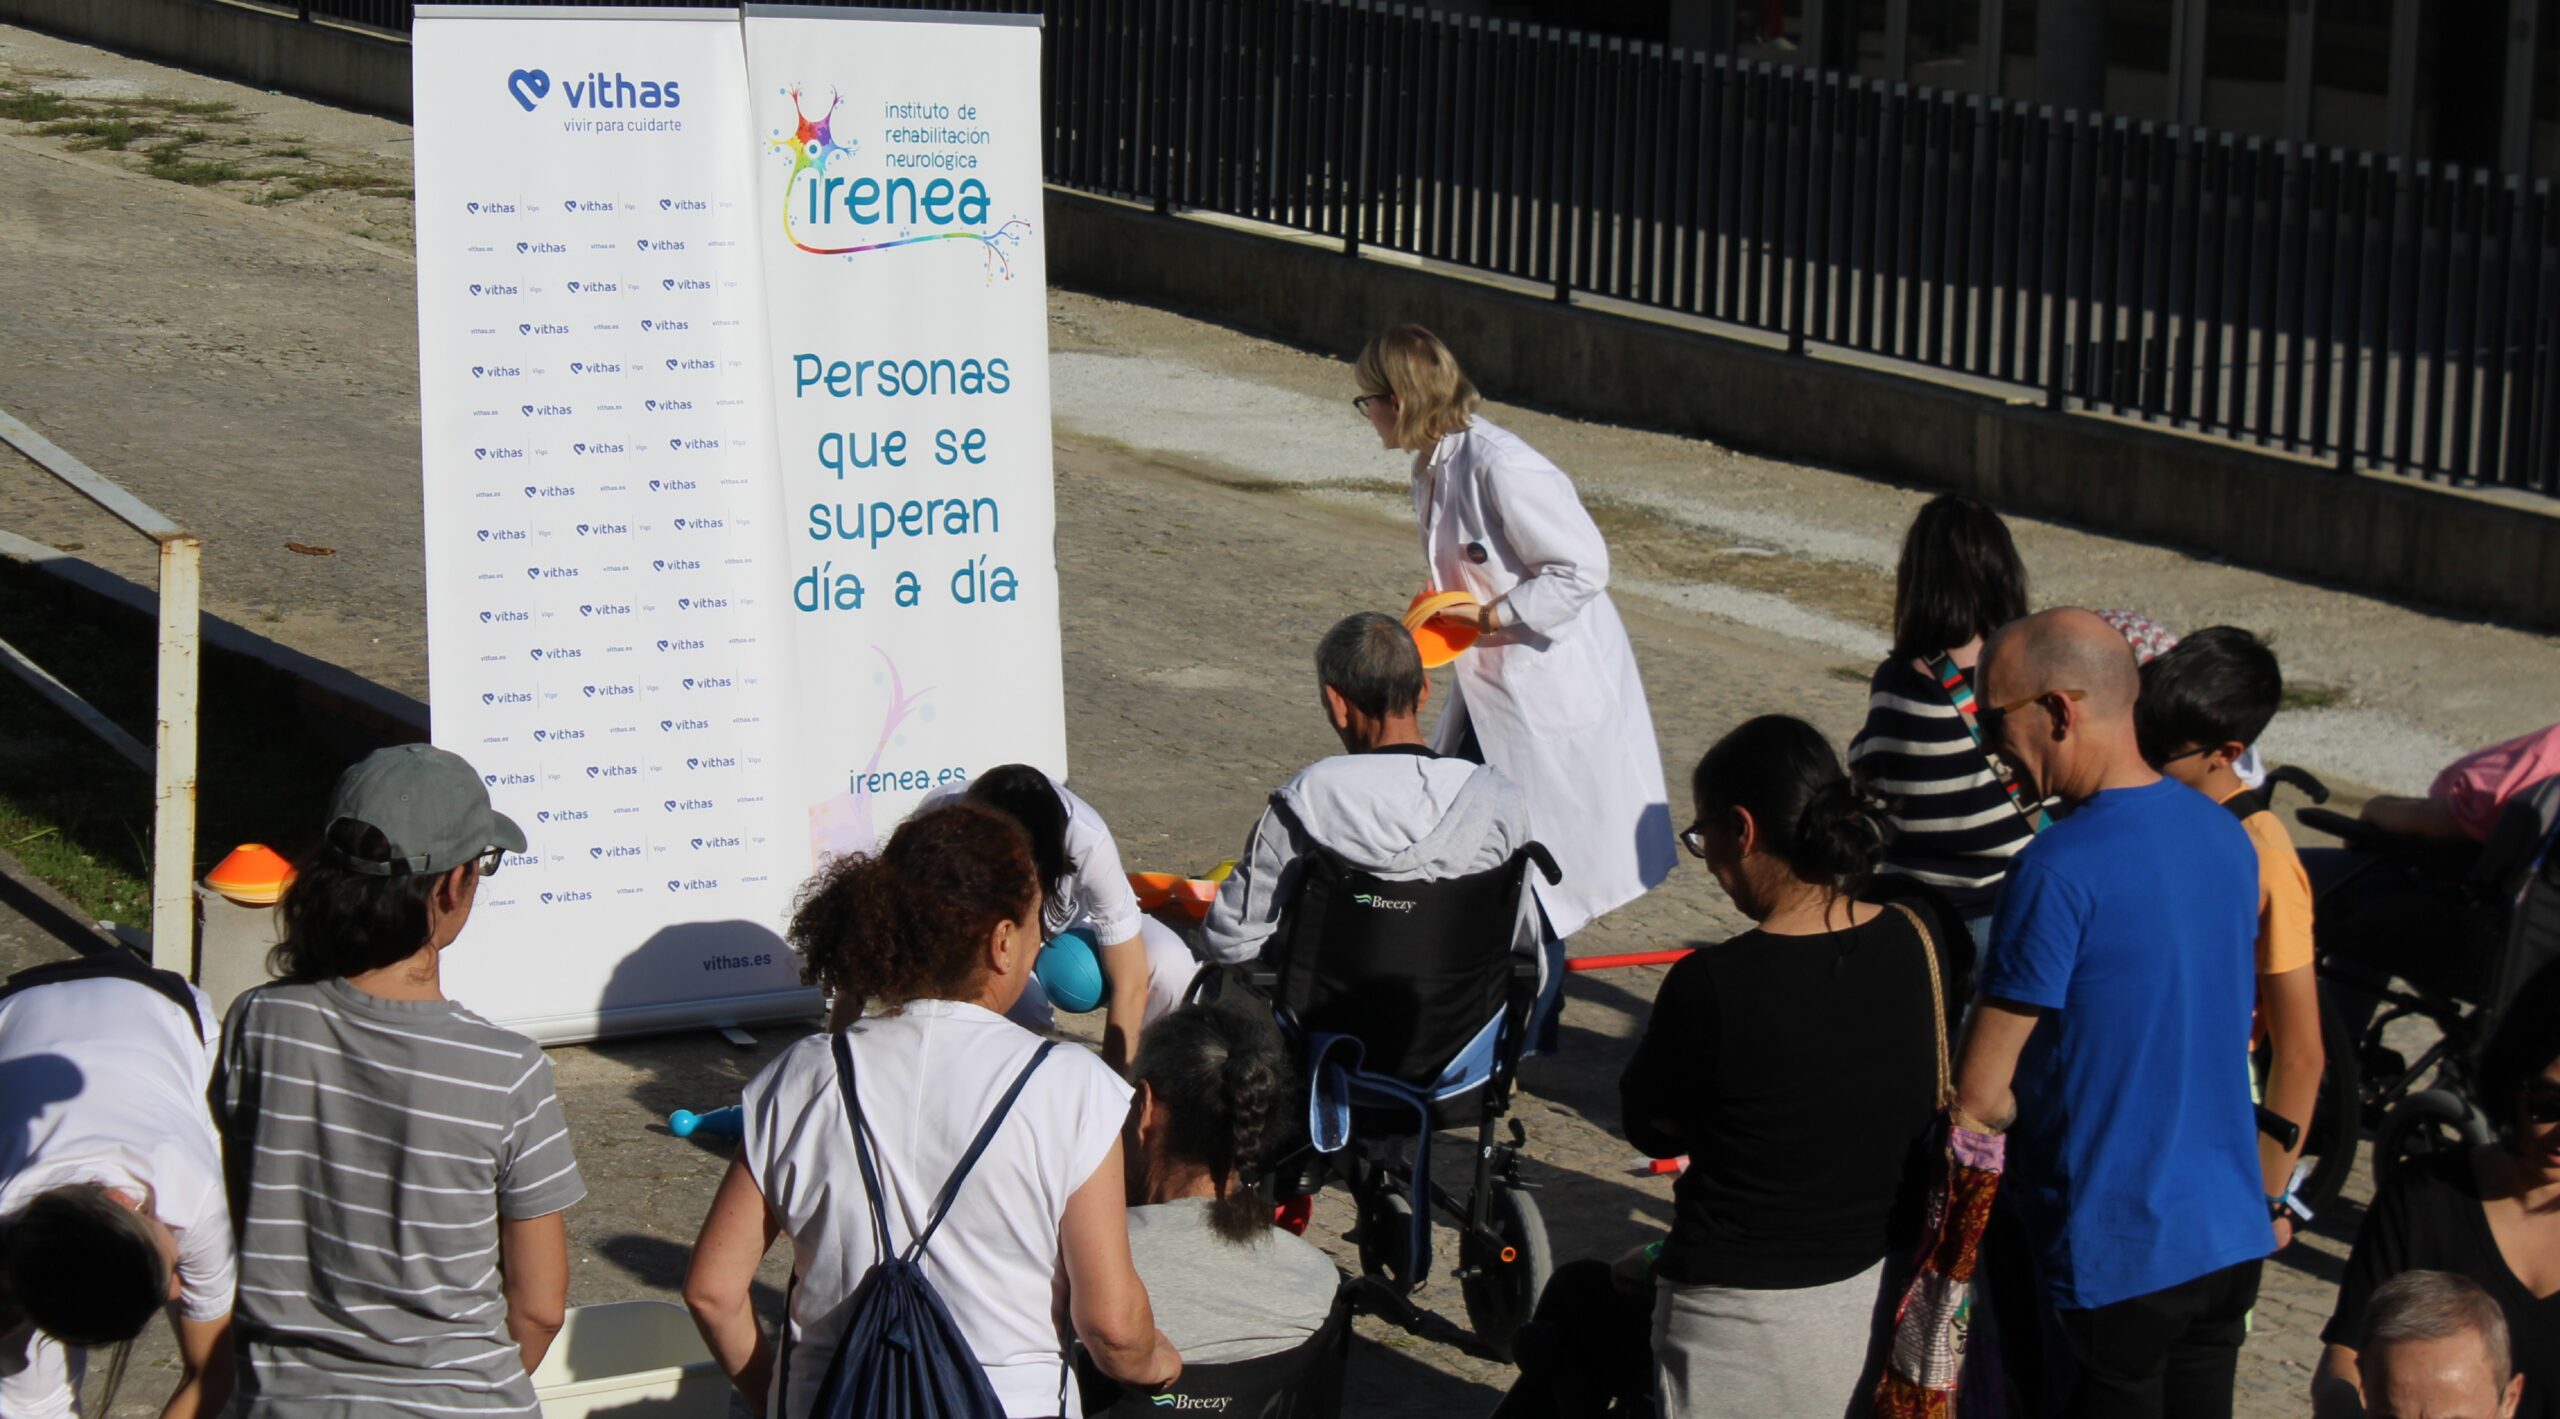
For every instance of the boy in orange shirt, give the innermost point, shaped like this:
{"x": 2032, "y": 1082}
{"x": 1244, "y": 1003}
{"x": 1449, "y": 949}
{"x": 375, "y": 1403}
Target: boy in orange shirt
{"x": 2202, "y": 705}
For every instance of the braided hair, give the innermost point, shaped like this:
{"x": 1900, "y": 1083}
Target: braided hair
{"x": 1221, "y": 1078}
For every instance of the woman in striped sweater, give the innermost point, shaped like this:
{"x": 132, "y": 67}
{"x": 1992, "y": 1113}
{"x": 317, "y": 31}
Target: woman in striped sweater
{"x": 1955, "y": 826}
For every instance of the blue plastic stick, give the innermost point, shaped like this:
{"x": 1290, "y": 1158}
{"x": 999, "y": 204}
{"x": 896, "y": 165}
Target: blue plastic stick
{"x": 719, "y": 1123}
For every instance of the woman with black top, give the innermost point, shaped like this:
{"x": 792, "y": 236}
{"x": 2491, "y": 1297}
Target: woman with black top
{"x": 1796, "y": 1065}
{"x": 1954, "y": 826}
{"x": 2490, "y": 1213}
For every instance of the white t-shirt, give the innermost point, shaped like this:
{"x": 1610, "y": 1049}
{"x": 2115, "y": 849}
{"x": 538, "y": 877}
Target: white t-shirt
{"x": 104, "y": 1081}
{"x": 1097, "y": 885}
{"x": 929, "y": 1076}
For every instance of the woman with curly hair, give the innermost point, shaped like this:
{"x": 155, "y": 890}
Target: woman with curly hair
{"x": 1211, "y": 1088}
{"x": 925, "y": 946}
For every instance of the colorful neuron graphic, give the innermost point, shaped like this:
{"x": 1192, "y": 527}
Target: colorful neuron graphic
{"x": 812, "y": 143}
{"x": 812, "y": 146}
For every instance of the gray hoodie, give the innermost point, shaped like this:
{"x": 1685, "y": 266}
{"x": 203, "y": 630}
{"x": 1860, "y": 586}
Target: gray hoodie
{"x": 1399, "y": 814}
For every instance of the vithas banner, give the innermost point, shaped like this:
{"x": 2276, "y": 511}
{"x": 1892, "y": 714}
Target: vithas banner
{"x": 734, "y": 392}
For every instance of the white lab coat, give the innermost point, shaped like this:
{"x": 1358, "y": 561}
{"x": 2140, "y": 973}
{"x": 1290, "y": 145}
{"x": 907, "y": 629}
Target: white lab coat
{"x": 1554, "y": 696}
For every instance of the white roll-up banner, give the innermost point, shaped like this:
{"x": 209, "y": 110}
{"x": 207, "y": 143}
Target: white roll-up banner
{"x": 733, "y": 384}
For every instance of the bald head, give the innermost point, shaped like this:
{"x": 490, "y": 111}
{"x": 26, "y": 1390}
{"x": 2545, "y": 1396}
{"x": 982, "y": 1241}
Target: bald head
{"x": 2066, "y": 649}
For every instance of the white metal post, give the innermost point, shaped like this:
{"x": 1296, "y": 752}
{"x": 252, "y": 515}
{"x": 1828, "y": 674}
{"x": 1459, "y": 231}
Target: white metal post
{"x": 173, "y": 816}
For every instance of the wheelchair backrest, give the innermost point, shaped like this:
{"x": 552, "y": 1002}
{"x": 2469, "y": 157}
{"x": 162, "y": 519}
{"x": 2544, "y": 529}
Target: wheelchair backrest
{"x": 1300, "y": 1383}
{"x": 1411, "y": 969}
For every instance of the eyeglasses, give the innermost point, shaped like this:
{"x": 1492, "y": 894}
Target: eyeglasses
{"x": 1364, "y": 401}
{"x": 1990, "y": 718}
{"x": 1695, "y": 840}
{"x": 2541, "y": 1108}
{"x": 2185, "y": 754}
{"x": 488, "y": 861}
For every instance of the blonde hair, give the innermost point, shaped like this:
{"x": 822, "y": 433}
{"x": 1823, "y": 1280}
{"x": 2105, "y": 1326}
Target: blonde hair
{"x": 1433, "y": 397}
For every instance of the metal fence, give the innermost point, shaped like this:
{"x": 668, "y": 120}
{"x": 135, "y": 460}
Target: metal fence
{"x": 2370, "y": 312}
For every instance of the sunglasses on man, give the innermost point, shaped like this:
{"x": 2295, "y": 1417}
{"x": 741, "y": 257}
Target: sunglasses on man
{"x": 1991, "y": 718}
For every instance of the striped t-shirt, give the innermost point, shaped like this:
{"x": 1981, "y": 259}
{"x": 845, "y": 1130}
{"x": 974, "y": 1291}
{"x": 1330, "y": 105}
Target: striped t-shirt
{"x": 381, "y": 1141}
{"x": 1954, "y": 826}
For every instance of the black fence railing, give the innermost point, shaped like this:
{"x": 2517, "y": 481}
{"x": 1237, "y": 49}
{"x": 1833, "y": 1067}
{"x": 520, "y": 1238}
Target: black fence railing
{"x": 2373, "y": 313}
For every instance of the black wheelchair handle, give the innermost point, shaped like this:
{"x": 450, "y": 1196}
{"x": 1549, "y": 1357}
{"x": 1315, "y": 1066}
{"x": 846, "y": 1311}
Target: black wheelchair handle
{"x": 1537, "y": 853}
{"x": 2356, "y": 832}
{"x": 2300, "y": 779}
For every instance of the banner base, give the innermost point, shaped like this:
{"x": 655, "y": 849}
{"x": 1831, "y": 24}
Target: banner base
{"x": 803, "y": 1006}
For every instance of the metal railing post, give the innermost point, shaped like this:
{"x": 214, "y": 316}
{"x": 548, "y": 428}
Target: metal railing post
{"x": 173, "y": 787}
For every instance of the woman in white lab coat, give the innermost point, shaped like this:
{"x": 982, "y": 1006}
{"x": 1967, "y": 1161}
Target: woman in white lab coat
{"x": 1550, "y": 694}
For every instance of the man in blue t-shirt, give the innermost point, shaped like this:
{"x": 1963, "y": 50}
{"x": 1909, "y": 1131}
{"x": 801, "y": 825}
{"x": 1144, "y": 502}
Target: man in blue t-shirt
{"x": 2111, "y": 1034}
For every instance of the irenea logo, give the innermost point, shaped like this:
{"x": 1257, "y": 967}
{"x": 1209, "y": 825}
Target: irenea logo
{"x": 529, "y": 87}
{"x": 815, "y": 197}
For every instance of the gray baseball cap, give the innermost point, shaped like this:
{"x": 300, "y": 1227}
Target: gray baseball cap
{"x": 429, "y": 802}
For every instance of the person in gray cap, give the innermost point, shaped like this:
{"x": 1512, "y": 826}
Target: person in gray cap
{"x": 399, "y": 1165}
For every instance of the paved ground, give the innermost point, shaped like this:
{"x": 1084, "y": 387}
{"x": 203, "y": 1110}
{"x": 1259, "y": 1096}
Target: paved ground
{"x": 250, "y": 369}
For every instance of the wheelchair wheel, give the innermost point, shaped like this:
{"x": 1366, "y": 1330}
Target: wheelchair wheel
{"x": 2428, "y": 1122}
{"x": 1386, "y": 1233}
{"x": 1502, "y": 1286}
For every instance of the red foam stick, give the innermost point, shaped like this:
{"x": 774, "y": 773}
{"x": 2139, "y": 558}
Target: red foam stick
{"x": 1632, "y": 958}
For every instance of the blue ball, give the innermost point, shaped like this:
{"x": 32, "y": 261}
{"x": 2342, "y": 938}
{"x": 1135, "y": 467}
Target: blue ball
{"x": 1071, "y": 971}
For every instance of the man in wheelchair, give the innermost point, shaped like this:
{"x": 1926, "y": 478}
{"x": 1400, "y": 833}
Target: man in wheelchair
{"x": 1386, "y": 805}
{"x": 1382, "y": 908}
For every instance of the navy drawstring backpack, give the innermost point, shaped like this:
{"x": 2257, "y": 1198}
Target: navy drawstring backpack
{"x": 901, "y": 1355}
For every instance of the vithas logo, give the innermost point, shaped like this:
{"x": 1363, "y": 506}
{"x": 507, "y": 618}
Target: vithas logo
{"x": 529, "y": 87}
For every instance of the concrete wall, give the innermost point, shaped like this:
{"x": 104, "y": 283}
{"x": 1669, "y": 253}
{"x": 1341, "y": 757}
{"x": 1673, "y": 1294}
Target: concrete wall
{"x": 2371, "y": 533}
{"x": 336, "y": 65}
{"x": 2375, "y": 534}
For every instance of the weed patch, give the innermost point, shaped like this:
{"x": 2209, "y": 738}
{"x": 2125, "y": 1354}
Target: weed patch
{"x": 34, "y": 106}
{"x": 114, "y": 133}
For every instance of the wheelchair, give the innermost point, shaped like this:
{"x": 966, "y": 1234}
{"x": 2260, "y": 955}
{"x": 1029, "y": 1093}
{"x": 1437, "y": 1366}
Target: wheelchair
{"x": 1407, "y": 1010}
{"x": 1304, "y": 1382}
{"x": 2499, "y": 907}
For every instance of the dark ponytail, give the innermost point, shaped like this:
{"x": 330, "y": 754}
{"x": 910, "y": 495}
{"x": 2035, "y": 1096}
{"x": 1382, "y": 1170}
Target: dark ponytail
{"x": 1026, "y": 795}
{"x": 1221, "y": 1079}
{"x": 86, "y": 1270}
{"x": 906, "y": 924}
{"x": 1827, "y": 828}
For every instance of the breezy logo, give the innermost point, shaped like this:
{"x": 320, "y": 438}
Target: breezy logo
{"x": 1375, "y": 902}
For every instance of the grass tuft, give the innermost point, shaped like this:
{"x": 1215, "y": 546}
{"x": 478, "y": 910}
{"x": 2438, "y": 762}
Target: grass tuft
{"x": 34, "y": 106}
{"x": 2311, "y": 695}
{"x": 112, "y": 133}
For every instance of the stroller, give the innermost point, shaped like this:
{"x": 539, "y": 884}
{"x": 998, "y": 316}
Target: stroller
{"x": 2504, "y": 908}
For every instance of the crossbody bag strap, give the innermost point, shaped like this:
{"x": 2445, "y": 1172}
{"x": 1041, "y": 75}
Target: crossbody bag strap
{"x": 968, "y": 1160}
{"x": 1937, "y": 1004}
{"x": 1959, "y": 691}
